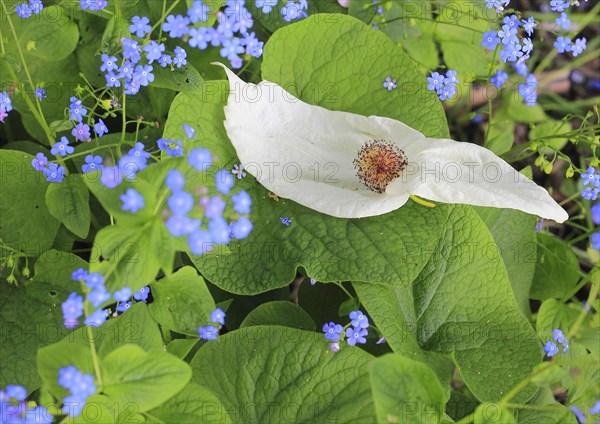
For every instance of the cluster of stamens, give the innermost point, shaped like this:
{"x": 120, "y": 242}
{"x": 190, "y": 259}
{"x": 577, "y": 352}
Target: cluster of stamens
{"x": 379, "y": 162}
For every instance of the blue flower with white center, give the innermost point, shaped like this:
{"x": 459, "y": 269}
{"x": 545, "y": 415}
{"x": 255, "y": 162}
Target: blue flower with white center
{"x": 39, "y": 162}
{"x": 123, "y": 295}
{"x": 180, "y": 202}
{"x": 92, "y": 163}
{"x": 140, "y": 26}
{"x": 97, "y": 318}
{"x": 76, "y": 110}
{"x": 123, "y": 306}
{"x": 558, "y": 335}
{"x": 356, "y": 335}
{"x": 390, "y": 83}
{"x": 138, "y": 150}
{"x": 143, "y": 74}
{"x": 170, "y": 147}
{"x": 129, "y": 165}
{"x": 563, "y": 21}
{"x": 81, "y": 132}
{"x": 243, "y": 21}
{"x": 529, "y": 25}
{"x": 54, "y": 173}
{"x": 219, "y": 230}
{"x": 175, "y": 180}
{"x": 563, "y": 44}
{"x": 208, "y": 332}
{"x": 112, "y": 79}
{"x": 591, "y": 177}
{"x": 198, "y": 12}
{"x": 109, "y": 63}
{"x": 224, "y": 181}
{"x": 436, "y": 82}
{"x": 595, "y": 213}
{"x": 100, "y": 128}
{"x": 214, "y": 208}
{"x": 132, "y": 200}
{"x": 292, "y": 11}
{"x": 218, "y": 316}
{"x": 131, "y": 50}
{"x": 588, "y": 193}
{"x": 241, "y": 202}
{"x": 94, "y": 280}
{"x": 241, "y": 228}
{"x": 98, "y": 296}
{"x": 23, "y": 10}
{"x": 332, "y": 331}
{"x": 181, "y": 225}
{"x": 111, "y": 176}
{"x": 550, "y": 348}
{"x": 72, "y": 310}
{"x": 451, "y": 78}
{"x": 180, "y": 57}
{"x": 447, "y": 92}
{"x": 199, "y": 38}
{"x": 254, "y": 47}
{"x": 176, "y": 26}
{"x": 265, "y": 5}
{"x": 231, "y": 48}
{"x": 132, "y": 87}
{"x": 40, "y": 93}
{"x": 527, "y": 46}
{"x": 200, "y": 159}
{"x": 79, "y": 274}
{"x": 579, "y": 46}
{"x": 529, "y": 90}
{"x": 5, "y": 102}
{"x": 36, "y": 6}
{"x": 359, "y": 320}
{"x": 490, "y": 40}
{"x": 142, "y": 294}
{"x": 200, "y": 242}
{"x": 93, "y": 4}
{"x": 153, "y": 50}
{"x": 511, "y": 21}
{"x": 513, "y": 52}
{"x": 499, "y": 5}
{"x": 508, "y": 35}
{"x": 559, "y": 5}
{"x": 225, "y": 29}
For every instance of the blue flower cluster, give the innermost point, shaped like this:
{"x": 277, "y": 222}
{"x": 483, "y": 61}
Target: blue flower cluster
{"x": 444, "y": 86}
{"x": 25, "y": 10}
{"x": 14, "y": 408}
{"x": 551, "y": 348}
{"x": 5, "y": 105}
{"x": 81, "y": 387}
{"x": 294, "y": 10}
{"x": 499, "y": 5}
{"x": 355, "y": 332}
{"x": 128, "y": 166}
{"x": 564, "y": 44}
{"x": 529, "y": 90}
{"x": 211, "y": 332}
{"x": 592, "y": 178}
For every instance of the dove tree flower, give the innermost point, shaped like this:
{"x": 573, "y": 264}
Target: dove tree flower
{"x": 375, "y": 163}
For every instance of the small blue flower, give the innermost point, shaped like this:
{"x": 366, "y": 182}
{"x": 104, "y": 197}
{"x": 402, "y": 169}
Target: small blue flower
{"x": 143, "y": 74}
{"x": 132, "y": 200}
{"x": 512, "y": 52}
{"x": 165, "y": 60}
{"x": 23, "y": 10}
{"x": 219, "y": 230}
{"x": 68, "y": 376}
{"x": 123, "y": 306}
{"x": 98, "y": 296}
{"x": 390, "y": 83}
{"x": 563, "y": 44}
{"x": 40, "y": 93}
{"x": 153, "y": 50}
{"x": 175, "y": 180}
{"x": 254, "y": 47}
{"x": 591, "y": 177}
{"x": 176, "y": 26}
{"x": 170, "y": 147}
{"x": 265, "y": 5}
{"x": 588, "y": 193}
{"x": 199, "y": 38}
{"x": 93, "y": 4}
{"x": 218, "y": 316}
{"x": 579, "y": 46}
{"x": 81, "y": 131}
{"x": 231, "y": 48}
{"x": 54, "y": 173}
{"x": 180, "y": 202}
{"x": 529, "y": 25}
{"x": 181, "y": 225}
{"x": 563, "y": 21}
{"x": 447, "y": 92}
{"x": 241, "y": 228}
{"x": 224, "y": 181}
{"x": 111, "y": 176}
{"x": 76, "y": 110}
{"x": 356, "y": 335}
{"x": 436, "y": 82}
{"x": 131, "y": 50}
{"x": 199, "y": 242}
{"x": 189, "y": 131}
{"x": 359, "y": 320}
{"x": 72, "y": 310}
{"x": 286, "y": 221}
{"x": 490, "y": 40}
{"x": 511, "y": 21}
{"x": 578, "y": 414}
{"x": 112, "y": 79}
{"x": 451, "y": 78}
{"x": 36, "y": 6}
{"x": 109, "y": 63}
{"x": 39, "y": 162}
{"x": 180, "y": 55}
{"x": 595, "y": 240}
{"x": 200, "y": 159}
{"x": 198, "y": 12}
{"x": 596, "y": 408}
{"x": 332, "y": 331}
{"x": 241, "y": 202}
{"x": 142, "y": 294}
{"x": 527, "y": 46}
{"x": 97, "y": 318}
{"x": 140, "y": 26}
{"x": 559, "y": 5}
{"x": 529, "y": 90}
{"x": 550, "y": 348}
{"x": 123, "y": 295}
{"x": 5, "y": 102}
{"x": 132, "y": 86}
{"x": 208, "y": 332}
{"x": 594, "y": 212}
{"x": 292, "y": 11}
{"x": 508, "y": 35}
{"x": 94, "y": 280}
{"x": 214, "y": 208}
{"x": 558, "y": 335}
{"x": 79, "y": 274}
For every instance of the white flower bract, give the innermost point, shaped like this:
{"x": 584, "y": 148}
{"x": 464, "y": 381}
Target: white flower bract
{"x": 307, "y": 154}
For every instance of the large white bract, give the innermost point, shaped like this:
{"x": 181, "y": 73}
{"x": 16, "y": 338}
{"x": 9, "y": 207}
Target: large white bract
{"x": 352, "y": 166}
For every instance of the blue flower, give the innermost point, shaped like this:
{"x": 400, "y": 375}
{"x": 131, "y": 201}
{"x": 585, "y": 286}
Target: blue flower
{"x": 79, "y": 274}
{"x": 286, "y": 221}
{"x": 36, "y": 6}
{"x": 390, "y": 83}
{"x": 596, "y": 408}
{"x": 97, "y": 318}
{"x": 180, "y": 202}
{"x": 529, "y": 90}
{"x": 175, "y": 180}
{"x": 200, "y": 159}
{"x": 153, "y": 51}
{"x": 129, "y": 165}
{"x": 224, "y": 181}
{"x": 164, "y": 60}
{"x": 292, "y": 11}
{"x": 93, "y": 4}
{"x": 54, "y": 173}
{"x": 451, "y": 78}
{"x": 112, "y": 79}
{"x": 558, "y": 335}
{"x": 181, "y": 225}
{"x": 238, "y": 171}
{"x": 578, "y": 414}
{"x": 189, "y": 131}
{"x": 23, "y": 10}
{"x": 214, "y": 208}
{"x": 332, "y": 331}
{"x": 265, "y": 5}
{"x": 132, "y": 200}
{"x": 208, "y": 332}
{"x": 563, "y": 44}
{"x": 199, "y": 38}
{"x": 521, "y": 67}
{"x": 231, "y": 48}
{"x": 563, "y": 21}
{"x": 81, "y": 131}
{"x": 5, "y": 102}
{"x": 199, "y": 242}
{"x": 559, "y": 5}
{"x": 142, "y": 294}
{"x": 527, "y": 46}
{"x": 39, "y": 162}
{"x": 254, "y": 47}
{"x": 436, "y": 82}
{"x": 499, "y": 78}
{"x": 123, "y": 295}
{"x": 595, "y": 213}
{"x": 109, "y": 63}
{"x": 529, "y": 25}
{"x": 512, "y": 52}
{"x": 219, "y": 230}
{"x": 218, "y": 316}
{"x": 490, "y": 40}
{"x": 140, "y": 26}
{"x": 497, "y": 4}
{"x": 143, "y": 74}
{"x": 447, "y": 92}
{"x": 511, "y": 21}
{"x": 111, "y": 176}
{"x": 595, "y": 240}
{"x": 132, "y": 87}
{"x": 131, "y": 50}
{"x": 98, "y": 296}
{"x": 579, "y": 46}
{"x": 359, "y": 320}
{"x": 123, "y": 306}
{"x": 550, "y": 348}
{"x": 356, "y": 335}
{"x": 72, "y": 310}
{"x": 68, "y": 376}
{"x": 170, "y": 147}
{"x": 588, "y": 193}
{"x": 180, "y": 55}
{"x": 94, "y": 280}
{"x": 508, "y": 35}
{"x": 241, "y": 202}
{"x": 241, "y": 228}
{"x": 176, "y": 26}
{"x": 76, "y": 110}
{"x": 198, "y": 12}
{"x": 100, "y": 128}
{"x": 40, "y": 93}
{"x": 591, "y": 177}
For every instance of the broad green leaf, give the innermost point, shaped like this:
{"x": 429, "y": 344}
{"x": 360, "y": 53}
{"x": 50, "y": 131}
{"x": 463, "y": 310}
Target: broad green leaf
{"x": 181, "y": 347}
{"x": 26, "y": 224}
{"x": 515, "y": 240}
{"x": 145, "y": 378}
{"x": 280, "y": 312}
{"x": 182, "y": 303}
{"x": 186, "y": 79}
{"x": 556, "y": 268}
{"x": 50, "y": 35}
{"x": 69, "y": 203}
{"x": 548, "y": 131}
{"x": 405, "y": 390}
{"x": 548, "y": 410}
{"x": 461, "y": 303}
{"x": 493, "y": 413}
{"x": 32, "y": 317}
{"x": 287, "y": 375}
{"x": 342, "y": 73}
{"x": 193, "y": 404}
